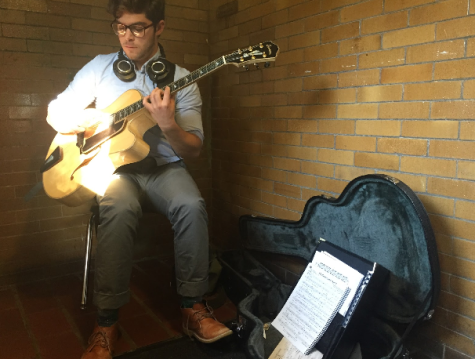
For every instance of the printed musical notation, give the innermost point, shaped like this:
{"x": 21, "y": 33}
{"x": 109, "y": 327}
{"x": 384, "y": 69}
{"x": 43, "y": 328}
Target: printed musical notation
{"x": 311, "y": 307}
{"x": 285, "y": 350}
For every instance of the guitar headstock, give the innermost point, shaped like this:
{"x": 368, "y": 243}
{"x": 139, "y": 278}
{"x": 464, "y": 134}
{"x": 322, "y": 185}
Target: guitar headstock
{"x": 263, "y": 52}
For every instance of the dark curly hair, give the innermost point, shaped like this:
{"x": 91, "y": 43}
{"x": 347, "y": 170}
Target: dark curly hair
{"x": 154, "y": 9}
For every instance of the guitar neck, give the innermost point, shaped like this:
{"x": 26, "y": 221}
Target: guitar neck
{"x": 174, "y": 87}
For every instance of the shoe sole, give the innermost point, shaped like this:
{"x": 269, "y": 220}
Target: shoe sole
{"x": 191, "y": 333}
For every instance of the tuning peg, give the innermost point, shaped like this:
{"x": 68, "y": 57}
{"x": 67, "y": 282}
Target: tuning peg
{"x": 256, "y": 65}
{"x": 267, "y": 64}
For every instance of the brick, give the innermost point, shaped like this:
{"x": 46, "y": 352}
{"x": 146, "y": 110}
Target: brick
{"x": 302, "y": 180}
{"x": 378, "y": 127}
{"x": 466, "y": 170}
{"x": 337, "y": 96}
{"x": 358, "y": 111}
{"x": 360, "y": 44}
{"x": 28, "y": 5}
{"x": 345, "y": 127}
{"x": 462, "y": 287}
{"x": 456, "y": 28}
{"x": 287, "y": 190}
{"x": 465, "y": 210}
{"x": 283, "y": 4}
{"x": 437, "y": 12}
{"x": 454, "y": 69}
{"x": 340, "y": 32}
{"x": 349, "y": 173}
{"x": 305, "y": 9}
{"x": 452, "y": 188}
{"x": 438, "y": 205}
{"x": 11, "y": 44}
{"x": 302, "y": 153}
{"x": 346, "y": 63}
{"x": 321, "y": 52}
{"x": 320, "y": 111}
{"x": 91, "y": 25}
{"x": 273, "y": 150}
{"x": 287, "y": 164}
{"x": 318, "y": 140}
{"x": 24, "y": 31}
{"x": 358, "y": 78}
{"x": 467, "y": 130}
{"x": 460, "y": 110}
{"x": 303, "y": 98}
{"x": 320, "y": 82}
{"x": 331, "y": 185}
{"x": 469, "y": 89}
{"x": 404, "y": 146}
{"x": 437, "y": 51}
{"x": 404, "y": 110}
{"x": 376, "y": 160}
{"x": 412, "y": 73}
{"x": 48, "y": 20}
{"x": 453, "y": 149}
{"x": 290, "y": 57}
{"x": 304, "y": 40}
{"x": 274, "y": 199}
{"x": 318, "y": 169}
{"x": 416, "y": 183}
{"x": 322, "y": 21}
{"x": 303, "y": 69}
{"x": 302, "y": 126}
{"x": 276, "y": 18}
{"x": 428, "y": 166}
{"x": 470, "y": 47}
{"x": 430, "y": 129}
{"x": 334, "y": 4}
{"x": 291, "y": 28}
{"x": 286, "y": 138}
{"x": 383, "y": 58}
{"x": 394, "y": 5}
{"x": 380, "y": 93}
{"x": 12, "y": 16}
{"x": 360, "y": 11}
{"x": 290, "y": 85}
{"x": 384, "y": 23}
{"x": 411, "y": 36}
{"x": 335, "y": 156}
{"x": 433, "y": 91}
{"x": 288, "y": 112}
{"x": 358, "y": 143}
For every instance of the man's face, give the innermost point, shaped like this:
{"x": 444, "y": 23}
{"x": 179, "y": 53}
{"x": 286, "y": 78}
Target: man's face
{"x": 139, "y": 49}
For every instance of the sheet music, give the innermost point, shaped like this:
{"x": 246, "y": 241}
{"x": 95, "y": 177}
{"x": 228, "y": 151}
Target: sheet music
{"x": 285, "y": 350}
{"x": 311, "y": 307}
{"x": 348, "y": 274}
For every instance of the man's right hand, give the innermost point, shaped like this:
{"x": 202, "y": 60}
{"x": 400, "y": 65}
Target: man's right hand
{"x": 80, "y": 122}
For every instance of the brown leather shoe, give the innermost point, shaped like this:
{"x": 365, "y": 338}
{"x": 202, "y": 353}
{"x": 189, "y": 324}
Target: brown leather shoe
{"x": 200, "y": 322}
{"x": 102, "y": 342}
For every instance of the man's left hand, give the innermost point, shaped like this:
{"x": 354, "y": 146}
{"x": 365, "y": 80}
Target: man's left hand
{"x": 161, "y": 105}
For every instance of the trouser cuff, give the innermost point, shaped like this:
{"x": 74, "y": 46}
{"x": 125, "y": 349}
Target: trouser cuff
{"x": 111, "y": 301}
{"x": 192, "y": 289}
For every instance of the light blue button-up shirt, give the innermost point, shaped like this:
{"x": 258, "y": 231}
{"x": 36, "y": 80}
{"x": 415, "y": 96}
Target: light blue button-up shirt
{"x": 97, "y": 82}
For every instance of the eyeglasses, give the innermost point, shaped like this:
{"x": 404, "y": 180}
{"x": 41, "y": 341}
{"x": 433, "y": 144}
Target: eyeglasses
{"x": 121, "y": 29}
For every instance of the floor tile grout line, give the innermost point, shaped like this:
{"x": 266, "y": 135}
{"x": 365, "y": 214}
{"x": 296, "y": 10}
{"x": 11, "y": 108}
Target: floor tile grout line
{"x": 149, "y": 311}
{"x": 26, "y": 322}
{"x": 71, "y": 321}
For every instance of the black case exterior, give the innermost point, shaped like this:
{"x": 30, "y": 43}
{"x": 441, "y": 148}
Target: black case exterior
{"x": 376, "y": 217}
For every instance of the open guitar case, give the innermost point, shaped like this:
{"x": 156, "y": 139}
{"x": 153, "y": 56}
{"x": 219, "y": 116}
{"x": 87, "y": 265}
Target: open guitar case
{"x": 376, "y": 217}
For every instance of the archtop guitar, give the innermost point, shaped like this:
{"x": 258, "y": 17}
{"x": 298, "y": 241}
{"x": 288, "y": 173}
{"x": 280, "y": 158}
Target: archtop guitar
{"x": 77, "y": 167}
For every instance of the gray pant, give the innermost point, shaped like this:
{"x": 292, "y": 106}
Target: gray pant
{"x": 170, "y": 190}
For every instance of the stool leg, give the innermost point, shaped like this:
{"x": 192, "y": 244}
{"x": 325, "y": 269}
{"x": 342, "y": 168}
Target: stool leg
{"x": 87, "y": 259}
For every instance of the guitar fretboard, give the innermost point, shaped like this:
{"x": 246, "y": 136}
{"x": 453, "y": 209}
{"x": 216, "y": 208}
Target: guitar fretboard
{"x": 174, "y": 87}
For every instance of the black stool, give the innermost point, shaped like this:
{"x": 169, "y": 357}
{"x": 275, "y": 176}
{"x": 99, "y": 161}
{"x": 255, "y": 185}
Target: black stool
{"x": 92, "y": 226}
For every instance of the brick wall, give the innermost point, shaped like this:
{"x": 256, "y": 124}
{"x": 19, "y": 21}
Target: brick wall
{"x": 43, "y": 43}
{"x": 358, "y": 87}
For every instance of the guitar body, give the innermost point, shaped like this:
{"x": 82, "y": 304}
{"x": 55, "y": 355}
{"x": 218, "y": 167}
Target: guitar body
{"x": 77, "y": 177}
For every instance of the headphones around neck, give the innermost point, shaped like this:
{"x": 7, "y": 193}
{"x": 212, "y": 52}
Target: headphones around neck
{"x": 124, "y": 69}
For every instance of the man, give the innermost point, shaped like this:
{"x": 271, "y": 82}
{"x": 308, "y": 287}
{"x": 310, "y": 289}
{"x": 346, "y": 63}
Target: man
{"x": 160, "y": 179}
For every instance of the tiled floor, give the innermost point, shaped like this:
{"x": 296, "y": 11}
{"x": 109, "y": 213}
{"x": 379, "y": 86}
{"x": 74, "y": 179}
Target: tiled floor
{"x": 43, "y": 319}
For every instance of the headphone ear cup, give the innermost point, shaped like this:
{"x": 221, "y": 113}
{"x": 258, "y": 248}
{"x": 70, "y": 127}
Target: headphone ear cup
{"x": 157, "y": 70}
{"x": 124, "y": 69}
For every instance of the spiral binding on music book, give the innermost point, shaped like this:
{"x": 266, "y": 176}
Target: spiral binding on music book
{"x": 335, "y": 311}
